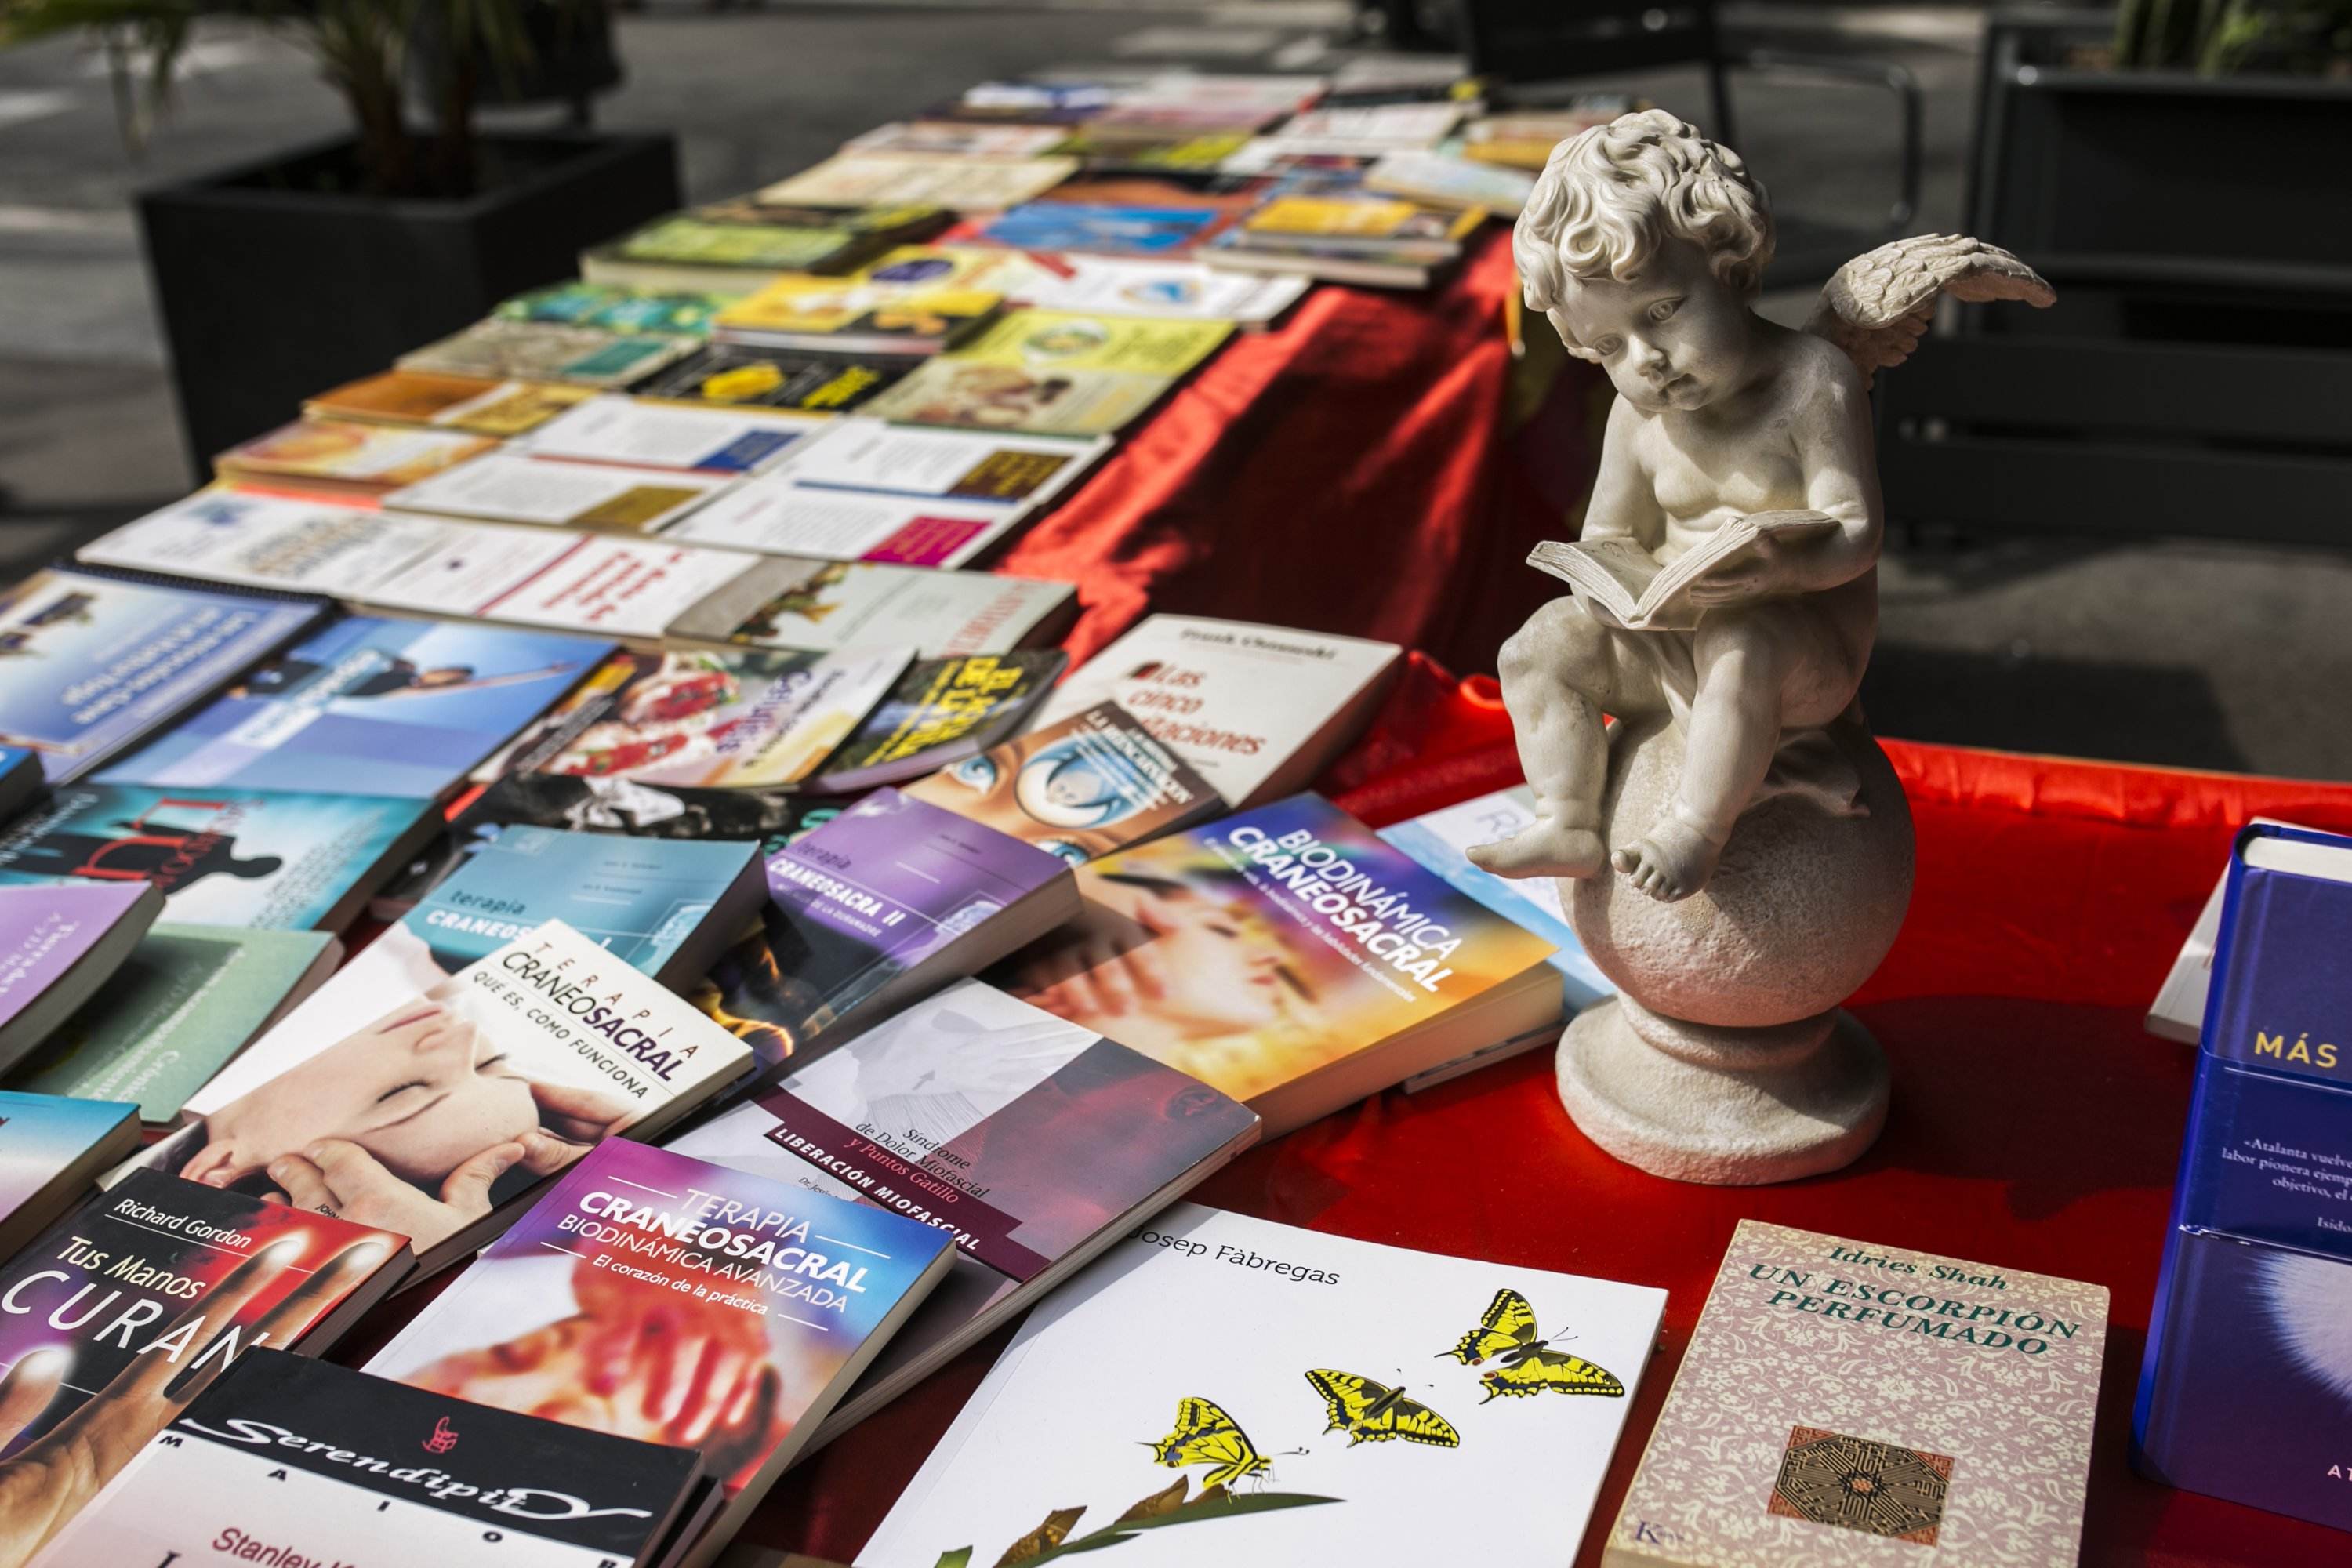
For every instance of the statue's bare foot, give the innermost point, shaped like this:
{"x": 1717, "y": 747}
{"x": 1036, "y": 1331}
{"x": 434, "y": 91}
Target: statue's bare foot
{"x": 1544, "y": 848}
{"x": 1672, "y": 861}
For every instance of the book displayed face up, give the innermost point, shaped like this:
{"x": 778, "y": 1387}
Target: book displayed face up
{"x": 434, "y": 1117}
{"x": 287, "y": 1462}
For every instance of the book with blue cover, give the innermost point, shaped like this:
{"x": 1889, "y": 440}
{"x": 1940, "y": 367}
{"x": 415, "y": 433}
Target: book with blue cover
{"x": 51, "y": 1150}
{"x": 2255, "y": 1294}
{"x": 262, "y": 859}
{"x": 91, "y": 664}
{"x": 370, "y": 706}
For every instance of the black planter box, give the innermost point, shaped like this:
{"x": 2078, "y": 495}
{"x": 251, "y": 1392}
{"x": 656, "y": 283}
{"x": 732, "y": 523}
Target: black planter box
{"x": 273, "y": 289}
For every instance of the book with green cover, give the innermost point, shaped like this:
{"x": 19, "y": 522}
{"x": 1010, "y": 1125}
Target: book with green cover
{"x": 187, "y": 999}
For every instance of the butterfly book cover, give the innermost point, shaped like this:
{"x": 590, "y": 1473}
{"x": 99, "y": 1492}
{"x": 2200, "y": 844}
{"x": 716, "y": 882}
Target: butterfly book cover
{"x": 286, "y": 1461}
{"x": 1221, "y": 1388}
{"x": 187, "y": 999}
{"x": 940, "y": 710}
{"x": 641, "y": 1261}
{"x": 710, "y": 720}
{"x": 257, "y": 859}
{"x": 869, "y": 906}
{"x": 1095, "y": 783}
{"x": 368, "y": 706}
{"x": 440, "y": 1115}
{"x": 110, "y": 1318}
{"x": 1031, "y": 1141}
{"x": 94, "y": 663}
{"x": 1843, "y": 1403}
{"x": 1287, "y": 957}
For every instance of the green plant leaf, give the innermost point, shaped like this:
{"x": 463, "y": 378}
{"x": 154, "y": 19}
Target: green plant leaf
{"x": 960, "y": 1558}
{"x": 1199, "y": 1509}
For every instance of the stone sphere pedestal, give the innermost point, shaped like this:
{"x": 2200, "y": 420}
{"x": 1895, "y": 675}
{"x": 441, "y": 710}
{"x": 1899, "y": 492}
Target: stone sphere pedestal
{"x": 1724, "y": 1058}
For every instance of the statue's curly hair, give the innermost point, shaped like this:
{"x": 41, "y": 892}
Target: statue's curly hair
{"x": 1610, "y": 196}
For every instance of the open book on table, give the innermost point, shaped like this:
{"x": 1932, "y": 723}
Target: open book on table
{"x": 1643, "y": 594}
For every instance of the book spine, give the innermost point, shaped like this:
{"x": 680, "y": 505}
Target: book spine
{"x": 153, "y": 579}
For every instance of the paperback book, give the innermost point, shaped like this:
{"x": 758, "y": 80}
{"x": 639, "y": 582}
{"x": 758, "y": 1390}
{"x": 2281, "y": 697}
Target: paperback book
{"x": 547, "y": 350}
{"x": 146, "y": 1292}
{"x": 536, "y": 487}
{"x": 352, "y": 457}
{"x": 1288, "y": 958}
{"x": 21, "y": 782}
{"x": 940, "y": 712}
{"x": 866, "y": 455}
{"x": 885, "y": 903}
{"x": 444, "y": 1113}
{"x": 475, "y": 404}
{"x": 96, "y": 664}
{"x": 1031, "y": 1143}
{"x": 1440, "y": 180}
{"x": 582, "y": 1313}
{"x": 1360, "y": 130}
{"x": 726, "y": 376}
{"x": 688, "y": 254}
{"x": 1259, "y": 711}
{"x": 367, "y": 706}
{"x": 792, "y": 602}
{"x": 968, "y": 182}
{"x": 57, "y": 946}
{"x": 1096, "y": 783}
{"x": 185, "y": 1001}
{"x": 1303, "y": 1398}
{"x": 777, "y": 514}
{"x": 1171, "y": 290}
{"x": 608, "y": 309}
{"x": 642, "y": 435}
{"x": 957, "y": 139}
{"x": 885, "y": 308}
{"x": 261, "y": 860}
{"x": 1054, "y": 372}
{"x": 1959, "y": 1417}
{"x": 51, "y": 1150}
{"x": 1098, "y": 229}
{"x": 665, "y": 910}
{"x": 1202, "y": 102}
{"x": 285, "y": 1461}
{"x": 710, "y": 720}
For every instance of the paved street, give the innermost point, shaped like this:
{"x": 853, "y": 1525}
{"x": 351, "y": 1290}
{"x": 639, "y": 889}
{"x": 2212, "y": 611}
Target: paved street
{"x": 2192, "y": 654}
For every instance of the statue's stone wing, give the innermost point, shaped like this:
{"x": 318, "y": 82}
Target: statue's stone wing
{"x": 1877, "y": 306}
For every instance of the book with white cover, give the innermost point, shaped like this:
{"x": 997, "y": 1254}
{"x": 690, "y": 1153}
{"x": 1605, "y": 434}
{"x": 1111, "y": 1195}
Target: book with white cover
{"x": 612, "y": 584}
{"x": 1125, "y": 286}
{"x": 952, "y": 139}
{"x": 1364, "y": 131}
{"x": 440, "y": 1117}
{"x": 967, "y": 184}
{"x": 1223, "y": 1389}
{"x": 1035, "y": 1142}
{"x": 775, "y": 514}
{"x": 2178, "y": 1011}
{"x": 1258, "y": 710}
{"x": 1440, "y": 180}
{"x": 856, "y": 453}
{"x": 507, "y": 486}
{"x": 708, "y": 440}
{"x": 783, "y": 601}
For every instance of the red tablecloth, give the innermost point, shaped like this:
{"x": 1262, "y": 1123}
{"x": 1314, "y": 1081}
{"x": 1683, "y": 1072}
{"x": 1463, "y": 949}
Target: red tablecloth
{"x": 1354, "y": 470}
{"x": 2035, "y": 1124}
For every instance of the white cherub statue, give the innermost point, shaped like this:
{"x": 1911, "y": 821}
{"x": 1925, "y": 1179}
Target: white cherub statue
{"x": 1738, "y": 448}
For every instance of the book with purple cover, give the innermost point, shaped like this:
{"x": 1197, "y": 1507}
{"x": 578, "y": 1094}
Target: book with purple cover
{"x": 786, "y": 1293}
{"x": 880, "y": 905}
{"x": 57, "y": 946}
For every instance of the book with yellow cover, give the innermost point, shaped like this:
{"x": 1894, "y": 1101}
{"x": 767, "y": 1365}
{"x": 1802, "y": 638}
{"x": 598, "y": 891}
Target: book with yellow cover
{"x": 475, "y": 404}
{"x": 1054, "y": 372}
{"x": 1389, "y": 225}
{"x": 891, "y": 179}
{"x": 346, "y": 457}
{"x": 860, "y": 314}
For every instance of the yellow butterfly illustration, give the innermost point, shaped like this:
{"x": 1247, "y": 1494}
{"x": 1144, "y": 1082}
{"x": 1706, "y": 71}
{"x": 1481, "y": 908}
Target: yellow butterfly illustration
{"x": 1508, "y": 1330}
{"x": 1205, "y": 1435}
{"x": 1370, "y": 1411}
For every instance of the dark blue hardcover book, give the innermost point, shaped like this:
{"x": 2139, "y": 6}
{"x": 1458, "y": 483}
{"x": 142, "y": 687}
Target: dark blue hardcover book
{"x": 2253, "y": 1304}
{"x": 2247, "y": 1392}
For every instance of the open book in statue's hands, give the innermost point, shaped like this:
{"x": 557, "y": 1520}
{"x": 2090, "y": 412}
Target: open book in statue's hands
{"x": 1642, "y": 593}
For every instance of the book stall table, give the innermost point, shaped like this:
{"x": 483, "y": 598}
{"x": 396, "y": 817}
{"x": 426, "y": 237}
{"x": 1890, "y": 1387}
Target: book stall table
{"x": 2035, "y": 1124}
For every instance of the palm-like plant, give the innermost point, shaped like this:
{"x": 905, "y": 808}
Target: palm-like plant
{"x": 2215, "y": 37}
{"x": 368, "y": 50}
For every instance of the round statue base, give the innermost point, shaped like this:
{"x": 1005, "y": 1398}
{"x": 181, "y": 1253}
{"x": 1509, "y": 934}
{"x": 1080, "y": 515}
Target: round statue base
{"x": 1726, "y": 1106}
